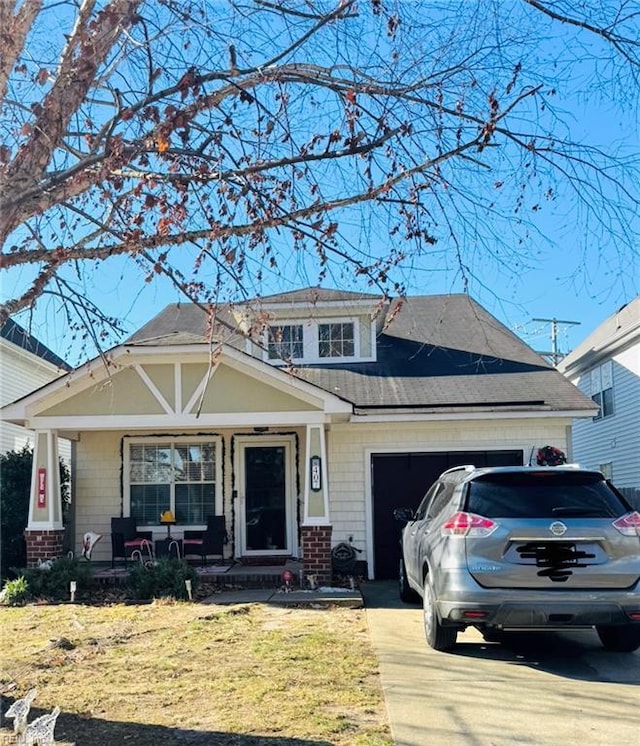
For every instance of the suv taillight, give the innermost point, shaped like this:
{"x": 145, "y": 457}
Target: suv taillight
{"x": 468, "y": 524}
{"x": 629, "y": 524}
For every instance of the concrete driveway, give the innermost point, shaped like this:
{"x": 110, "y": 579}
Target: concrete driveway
{"x": 546, "y": 689}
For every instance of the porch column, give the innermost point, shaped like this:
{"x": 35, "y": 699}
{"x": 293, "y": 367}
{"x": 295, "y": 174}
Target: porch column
{"x": 44, "y": 533}
{"x": 315, "y": 531}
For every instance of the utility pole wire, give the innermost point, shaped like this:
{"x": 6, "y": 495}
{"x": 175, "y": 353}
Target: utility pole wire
{"x": 555, "y": 355}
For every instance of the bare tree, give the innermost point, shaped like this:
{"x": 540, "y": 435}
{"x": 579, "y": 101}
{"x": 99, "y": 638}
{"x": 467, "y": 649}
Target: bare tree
{"x": 214, "y": 142}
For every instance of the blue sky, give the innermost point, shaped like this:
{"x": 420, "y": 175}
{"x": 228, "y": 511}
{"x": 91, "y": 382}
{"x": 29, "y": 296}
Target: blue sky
{"x": 547, "y": 291}
{"x": 565, "y": 275}
{"x": 555, "y": 284}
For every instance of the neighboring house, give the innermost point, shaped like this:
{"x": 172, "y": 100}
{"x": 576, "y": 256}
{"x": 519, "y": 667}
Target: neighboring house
{"x": 606, "y": 367}
{"x": 304, "y": 419}
{"x": 25, "y": 365}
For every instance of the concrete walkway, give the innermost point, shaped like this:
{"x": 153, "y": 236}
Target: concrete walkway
{"x": 320, "y": 597}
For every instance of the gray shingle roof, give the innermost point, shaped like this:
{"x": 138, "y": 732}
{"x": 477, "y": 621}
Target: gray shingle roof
{"x": 14, "y": 333}
{"x": 620, "y": 329}
{"x": 436, "y": 353}
{"x": 319, "y": 295}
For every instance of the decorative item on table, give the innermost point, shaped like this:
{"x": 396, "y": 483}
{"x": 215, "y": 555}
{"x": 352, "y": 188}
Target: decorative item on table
{"x": 287, "y": 576}
{"x": 167, "y": 519}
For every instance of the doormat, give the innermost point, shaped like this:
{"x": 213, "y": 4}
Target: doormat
{"x": 212, "y": 569}
{"x": 263, "y": 561}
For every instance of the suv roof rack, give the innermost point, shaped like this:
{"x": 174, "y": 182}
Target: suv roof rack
{"x": 462, "y": 467}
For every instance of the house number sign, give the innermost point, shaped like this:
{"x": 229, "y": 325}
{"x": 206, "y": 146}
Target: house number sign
{"x": 316, "y": 473}
{"x": 42, "y": 488}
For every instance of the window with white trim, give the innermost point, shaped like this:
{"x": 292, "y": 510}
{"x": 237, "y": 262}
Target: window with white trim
{"x": 336, "y": 340}
{"x": 315, "y": 341}
{"x": 179, "y": 474}
{"x": 602, "y": 389}
{"x": 286, "y": 342}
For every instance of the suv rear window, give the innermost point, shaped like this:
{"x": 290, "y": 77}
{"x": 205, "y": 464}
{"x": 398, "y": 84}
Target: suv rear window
{"x": 543, "y": 495}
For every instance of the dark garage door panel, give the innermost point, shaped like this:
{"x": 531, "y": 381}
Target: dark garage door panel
{"x": 401, "y": 480}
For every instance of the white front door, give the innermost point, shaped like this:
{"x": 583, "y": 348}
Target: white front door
{"x": 266, "y": 503}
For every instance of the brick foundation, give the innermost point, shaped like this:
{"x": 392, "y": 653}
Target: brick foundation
{"x": 316, "y": 552}
{"x": 43, "y": 545}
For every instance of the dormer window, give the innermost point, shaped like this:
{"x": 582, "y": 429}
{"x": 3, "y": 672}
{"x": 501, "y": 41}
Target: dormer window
{"x": 336, "y": 340}
{"x": 286, "y": 342}
{"x": 319, "y": 341}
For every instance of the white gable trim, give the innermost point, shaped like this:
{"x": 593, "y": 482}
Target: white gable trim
{"x": 159, "y": 421}
{"x": 26, "y": 410}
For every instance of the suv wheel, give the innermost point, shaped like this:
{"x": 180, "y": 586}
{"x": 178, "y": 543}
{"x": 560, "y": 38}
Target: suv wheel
{"x": 622, "y": 639}
{"x": 407, "y": 594}
{"x": 438, "y": 637}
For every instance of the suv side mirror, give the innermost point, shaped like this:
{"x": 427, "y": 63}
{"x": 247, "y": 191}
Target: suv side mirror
{"x": 403, "y": 515}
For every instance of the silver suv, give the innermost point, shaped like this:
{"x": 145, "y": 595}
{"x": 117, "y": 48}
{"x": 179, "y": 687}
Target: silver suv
{"x": 523, "y": 548}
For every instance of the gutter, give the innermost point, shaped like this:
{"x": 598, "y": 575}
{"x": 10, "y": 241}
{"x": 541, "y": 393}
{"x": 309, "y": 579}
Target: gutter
{"x": 477, "y": 414}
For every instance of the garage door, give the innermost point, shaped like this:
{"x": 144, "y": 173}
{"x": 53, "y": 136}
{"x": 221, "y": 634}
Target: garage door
{"x": 400, "y": 480}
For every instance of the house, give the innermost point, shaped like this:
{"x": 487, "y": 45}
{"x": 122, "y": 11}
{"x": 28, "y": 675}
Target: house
{"x": 303, "y": 418}
{"x": 606, "y": 367}
{"x": 25, "y": 365}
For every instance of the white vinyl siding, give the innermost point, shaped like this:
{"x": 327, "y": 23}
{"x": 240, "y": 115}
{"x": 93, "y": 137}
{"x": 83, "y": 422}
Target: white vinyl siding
{"x": 614, "y": 439}
{"x": 349, "y": 449}
{"x": 21, "y": 373}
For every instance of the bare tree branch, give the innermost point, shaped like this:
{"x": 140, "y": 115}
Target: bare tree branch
{"x": 213, "y": 144}
{"x": 14, "y": 30}
{"x": 621, "y": 44}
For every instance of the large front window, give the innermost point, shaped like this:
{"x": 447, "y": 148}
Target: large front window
{"x": 176, "y": 475}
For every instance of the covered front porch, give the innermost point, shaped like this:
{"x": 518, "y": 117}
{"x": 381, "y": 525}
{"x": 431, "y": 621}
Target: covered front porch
{"x": 160, "y": 433}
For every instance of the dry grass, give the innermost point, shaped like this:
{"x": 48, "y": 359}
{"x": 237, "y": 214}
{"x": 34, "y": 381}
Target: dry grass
{"x": 181, "y": 673}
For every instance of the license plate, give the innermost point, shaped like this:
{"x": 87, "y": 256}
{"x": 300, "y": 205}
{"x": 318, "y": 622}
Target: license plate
{"x": 556, "y": 560}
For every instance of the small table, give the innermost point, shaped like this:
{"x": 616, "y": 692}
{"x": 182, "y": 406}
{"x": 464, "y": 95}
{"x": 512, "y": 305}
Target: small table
{"x": 168, "y": 547}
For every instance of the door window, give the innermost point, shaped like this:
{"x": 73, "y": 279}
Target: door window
{"x": 265, "y": 498}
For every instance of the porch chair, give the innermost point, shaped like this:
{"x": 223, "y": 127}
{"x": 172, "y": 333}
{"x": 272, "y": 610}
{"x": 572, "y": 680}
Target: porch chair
{"x": 125, "y": 539}
{"x": 209, "y": 542}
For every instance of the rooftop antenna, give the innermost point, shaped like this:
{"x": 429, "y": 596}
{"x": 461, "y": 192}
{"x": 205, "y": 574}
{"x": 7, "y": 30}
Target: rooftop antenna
{"x": 554, "y": 355}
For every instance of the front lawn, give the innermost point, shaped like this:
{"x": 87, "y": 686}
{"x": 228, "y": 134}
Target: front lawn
{"x": 185, "y": 673}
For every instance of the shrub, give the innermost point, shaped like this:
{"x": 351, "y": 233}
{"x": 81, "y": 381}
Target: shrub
{"x": 54, "y": 583}
{"x": 14, "y": 506}
{"x": 161, "y": 579}
{"x": 15, "y": 592}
